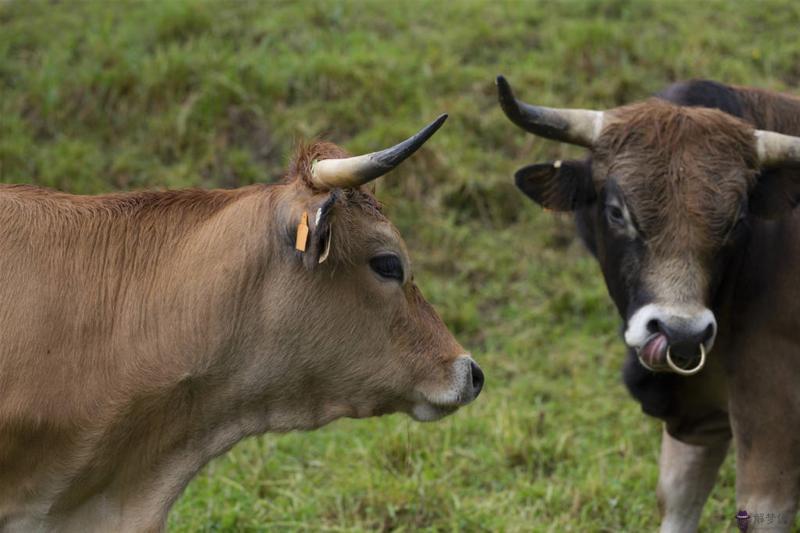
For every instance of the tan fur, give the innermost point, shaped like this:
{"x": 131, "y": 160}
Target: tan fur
{"x": 145, "y": 333}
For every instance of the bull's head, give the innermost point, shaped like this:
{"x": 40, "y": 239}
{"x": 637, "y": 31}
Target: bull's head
{"x": 662, "y": 203}
{"x": 355, "y": 337}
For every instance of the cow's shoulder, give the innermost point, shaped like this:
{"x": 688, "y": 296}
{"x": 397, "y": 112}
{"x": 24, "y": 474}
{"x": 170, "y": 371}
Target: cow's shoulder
{"x": 704, "y": 93}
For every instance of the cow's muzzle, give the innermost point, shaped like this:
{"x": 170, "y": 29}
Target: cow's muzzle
{"x": 476, "y": 379}
{"x": 466, "y": 383}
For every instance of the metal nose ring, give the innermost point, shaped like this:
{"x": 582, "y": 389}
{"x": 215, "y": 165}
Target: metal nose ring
{"x": 648, "y": 367}
{"x": 684, "y": 371}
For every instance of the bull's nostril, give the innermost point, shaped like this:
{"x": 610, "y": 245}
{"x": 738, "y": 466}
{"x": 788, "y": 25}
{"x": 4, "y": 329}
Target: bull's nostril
{"x": 708, "y": 333}
{"x": 477, "y": 378}
{"x": 654, "y": 326}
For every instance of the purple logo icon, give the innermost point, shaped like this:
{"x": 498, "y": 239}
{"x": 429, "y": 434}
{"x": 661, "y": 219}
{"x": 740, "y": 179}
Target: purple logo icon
{"x": 742, "y": 520}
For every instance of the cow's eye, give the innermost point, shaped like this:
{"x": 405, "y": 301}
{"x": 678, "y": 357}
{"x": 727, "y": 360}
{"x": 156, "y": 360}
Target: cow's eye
{"x": 387, "y": 266}
{"x": 615, "y": 215}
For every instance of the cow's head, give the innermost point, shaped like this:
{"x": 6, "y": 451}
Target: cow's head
{"x": 354, "y": 335}
{"x": 661, "y": 202}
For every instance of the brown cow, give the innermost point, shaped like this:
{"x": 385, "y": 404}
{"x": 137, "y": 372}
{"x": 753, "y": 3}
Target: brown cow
{"x": 688, "y": 209}
{"x": 145, "y": 333}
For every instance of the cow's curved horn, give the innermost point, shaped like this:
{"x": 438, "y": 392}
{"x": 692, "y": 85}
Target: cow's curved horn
{"x": 774, "y": 148}
{"x": 355, "y": 171}
{"x": 574, "y": 126}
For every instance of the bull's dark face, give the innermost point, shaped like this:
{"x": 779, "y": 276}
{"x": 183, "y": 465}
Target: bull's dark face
{"x": 663, "y": 203}
{"x": 671, "y": 200}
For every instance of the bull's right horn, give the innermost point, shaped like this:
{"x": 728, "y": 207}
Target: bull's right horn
{"x": 355, "y": 171}
{"x": 775, "y": 148}
{"x": 574, "y": 126}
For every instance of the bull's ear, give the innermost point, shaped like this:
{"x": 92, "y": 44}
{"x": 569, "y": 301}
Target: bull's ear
{"x": 560, "y": 185}
{"x": 320, "y": 231}
{"x": 776, "y": 193}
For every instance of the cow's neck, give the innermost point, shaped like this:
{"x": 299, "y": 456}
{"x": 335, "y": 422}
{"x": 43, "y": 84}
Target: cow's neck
{"x": 137, "y": 377}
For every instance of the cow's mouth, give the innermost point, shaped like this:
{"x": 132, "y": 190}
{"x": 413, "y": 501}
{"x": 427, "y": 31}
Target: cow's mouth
{"x": 657, "y": 355}
{"x": 429, "y": 412}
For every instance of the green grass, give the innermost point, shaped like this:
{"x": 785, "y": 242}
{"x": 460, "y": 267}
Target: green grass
{"x": 96, "y": 96}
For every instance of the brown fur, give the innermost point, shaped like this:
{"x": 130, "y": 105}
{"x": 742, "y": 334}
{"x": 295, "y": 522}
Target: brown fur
{"x": 685, "y": 174}
{"x": 770, "y": 110}
{"x": 685, "y": 224}
{"x": 145, "y": 333}
{"x": 684, "y": 171}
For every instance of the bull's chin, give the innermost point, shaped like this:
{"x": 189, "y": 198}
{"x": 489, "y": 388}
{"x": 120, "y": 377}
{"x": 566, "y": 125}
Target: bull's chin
{"x": 428, "y": 412}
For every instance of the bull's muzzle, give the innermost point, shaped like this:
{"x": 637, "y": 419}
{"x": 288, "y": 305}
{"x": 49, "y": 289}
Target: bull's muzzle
{"x": 687, "y": 371}
{"x": 701, "y": 362}
{"x": 669, "y": 338}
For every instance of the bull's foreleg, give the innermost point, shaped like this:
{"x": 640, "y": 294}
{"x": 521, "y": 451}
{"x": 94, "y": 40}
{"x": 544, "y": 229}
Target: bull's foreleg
{"x": 765, "y": 412}
{"x": 686, "y": 476}
{"x": 767, "y": 472}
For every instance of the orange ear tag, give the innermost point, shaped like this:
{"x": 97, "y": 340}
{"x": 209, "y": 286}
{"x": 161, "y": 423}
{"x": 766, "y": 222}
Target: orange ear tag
{"x": 302, "y": 233}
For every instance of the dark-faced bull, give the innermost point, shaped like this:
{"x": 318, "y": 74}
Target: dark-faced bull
{"x": 143, "y": 334}
{"x": 686, "y": 201}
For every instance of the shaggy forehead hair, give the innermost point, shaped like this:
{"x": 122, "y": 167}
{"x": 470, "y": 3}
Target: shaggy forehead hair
{"x": 300, "y": 169}
{"x": 356, "y": 203}
{"x": 683, "y": 171}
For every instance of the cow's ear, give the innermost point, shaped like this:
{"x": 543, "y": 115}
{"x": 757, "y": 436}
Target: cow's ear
{"x": 776, "y": 193}
{"x": 560, "y": 185}
{"x": 314, "y": 242}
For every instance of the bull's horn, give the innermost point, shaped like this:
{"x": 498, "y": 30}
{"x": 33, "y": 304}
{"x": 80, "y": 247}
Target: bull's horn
{"x": 355, "y": 171}
{"x": 574, "y": 126}
{"x": 774, "y": 148}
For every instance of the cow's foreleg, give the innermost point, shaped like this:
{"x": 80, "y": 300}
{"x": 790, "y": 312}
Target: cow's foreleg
{"x": 686, "y": 476}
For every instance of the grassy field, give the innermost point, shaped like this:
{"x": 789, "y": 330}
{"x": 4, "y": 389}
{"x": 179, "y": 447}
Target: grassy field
{"x": 104, "y": 95}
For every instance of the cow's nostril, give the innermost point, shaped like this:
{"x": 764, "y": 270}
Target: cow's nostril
{"x": 477, "y": 378}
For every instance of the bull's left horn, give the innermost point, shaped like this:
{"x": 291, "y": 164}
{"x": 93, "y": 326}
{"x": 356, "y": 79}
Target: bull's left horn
{"x": 355, "y": 171}
{"x": 574, "y": 126}
{"x": 775, "y": 148}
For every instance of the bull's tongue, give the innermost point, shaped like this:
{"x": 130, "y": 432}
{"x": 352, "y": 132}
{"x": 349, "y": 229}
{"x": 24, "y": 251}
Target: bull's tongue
{"x": 654, "y": 353}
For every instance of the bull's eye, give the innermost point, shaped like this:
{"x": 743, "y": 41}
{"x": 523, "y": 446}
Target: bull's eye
{"x": 615, "y": 215}
{"x": 737, "y": 228}
{"x": 387, "y": 266}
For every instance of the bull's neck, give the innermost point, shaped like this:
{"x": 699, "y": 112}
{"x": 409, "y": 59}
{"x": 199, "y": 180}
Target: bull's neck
{"x": 723, "y": 302}
{"x": 768, "y": 110}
